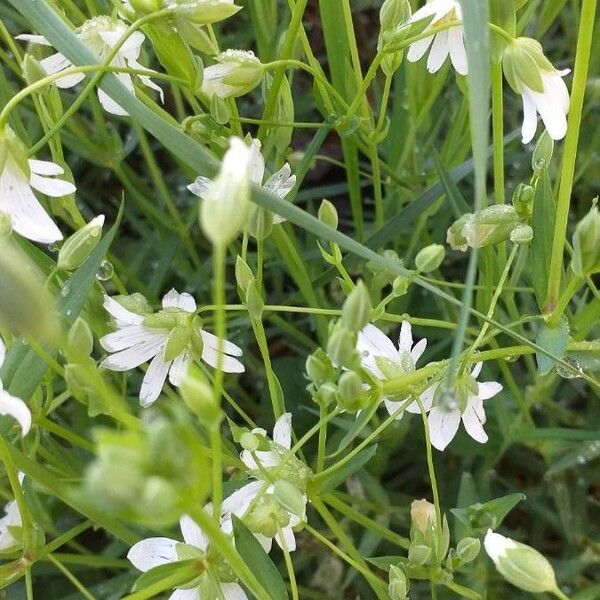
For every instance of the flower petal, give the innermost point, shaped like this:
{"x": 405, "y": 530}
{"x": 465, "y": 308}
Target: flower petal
{"x": 529, "y": 118}
{"x": 288, "y": 537}
{"x": 179, "y": 368}
{"x": 405, "y": 340}
{"x": 282, "y": 431}
{"x": 55, "y": 188}
{"x": 238, "y": 502}
{"x": 45, "y": 167}
{"x": 229, "y": 364}
{"x": 192, "y": 533}
{"x": 152, "y": 552}
{"x": 418, "y": 350}
{"x": 473, "y": 419}
{"x": 28, "y": 217}
{"x": 458, "y": 53}
{"x": 120, "y": 313}
{"x": 136, "y": 355}
{"x": 110, "y": 105}
{"x": 199, "y": 186}
{"x": 233, "y": 591}
{"x": 392, "y": 407}
{"x": 443, "y": 425}
{"x": 488, "y": 389}
{"x": 476, "y": 370}
{"x": 125, "y": 337}
{"x": 189, "y": 594}
{"x": 17, "y": 409}
{"x": 281, "y": 183}
{"x": 439, "y": 52}
{"x": 154, "y": 379}
{"x": 184, "y": 301}
{"x": 33, "y": 39}
{"x": 256, "y": 165}
{"x": 213, "y": 342}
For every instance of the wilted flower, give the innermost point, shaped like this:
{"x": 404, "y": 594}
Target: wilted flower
{"x": 447, "y": 42}
{"x": 468, "y": 406}
{"x": 236, "y": 73}
{"x": 10, "y": 522}
{"x": 100, "y": 35}
{"x": 169, "y": 338}
{"x": 12, "y": 406}
{"x": 19, "y": 176}
{"x": 530, "y": 74}
{"x": 217, "y": 582}
{"x": 280, "y": 184}
{"x": 383, "y": 360}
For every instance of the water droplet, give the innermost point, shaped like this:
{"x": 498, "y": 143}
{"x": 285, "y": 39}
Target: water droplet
{"x": 581, "y": 460}
{"x": 54, "y": 247}
{"x": 540, "y": 163}
{"x": 512, "y": 358}
{"x": 573, "y": 373}
{"x": 65, "y": 291}
{"x": 105, "y": 271}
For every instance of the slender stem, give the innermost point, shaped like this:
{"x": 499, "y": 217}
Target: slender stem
{"x": 288, "y": 565}
{"x": 76, "y": 583}
{"x": 584, "y": 45}
{"x": 559, "y": 594}
{"x": 322, "y": 439}
{"x": 498, "y": 132}
{"x": 570, "y": 290}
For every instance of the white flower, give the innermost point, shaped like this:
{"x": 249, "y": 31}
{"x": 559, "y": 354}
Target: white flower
{"x": 383, "y": 360}
{"x": 136, "y": 341}
{"x": 444, "y": 421}
{"x": 259, "y": 461}
{"x": 236, "y": 73}
{"x": 447, "y": 42}
{"x": 280, "y": 184}
{"x": 552, "y": 104}
{"x": 153, "y": 552}
{"x": 12, "y": 406}
{"x": 19, "y": 176}
{"x": 100, "y": 35}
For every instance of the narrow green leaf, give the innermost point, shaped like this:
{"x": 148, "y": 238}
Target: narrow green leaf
{"x": 554, "y": 341}
{"x": 258, "y": 560}
{"x": 177, "y": 573}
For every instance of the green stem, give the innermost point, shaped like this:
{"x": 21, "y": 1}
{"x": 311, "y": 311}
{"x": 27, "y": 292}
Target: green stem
{"x": 289, "y": 566}
{"x": 322, "y": 439}
{"x": 570, "y": 290}
{"x": 559, "y": 594}
{"x": 584, "y": 45}
{"x": 498, "y": 132}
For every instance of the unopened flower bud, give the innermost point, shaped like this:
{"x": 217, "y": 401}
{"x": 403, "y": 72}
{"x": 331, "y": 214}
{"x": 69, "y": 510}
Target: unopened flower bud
{"x": 392, "y": 16}
{"x": 419, "y": 554}
{"x": 260, "y": 222}
{"x": 542, "y": 153}
{"x": 357, "y": 309}
{"x": 341, "y": 346}
{"x": 521, "y": 565}
{"x": 225, "y": 203}
{"x": 318, "y": 367}
{"x": 521, "y": 234}
{"x": 467, "y": 550}
{"x": 199, "y": 397}
{"x": 351, "y": 395}
{"x": 400, "y": 285}
{"x": 523, "y": 63}
{"x": 491, "y": 226}
{"x": 80, "y": 245}
{"x": 136, "y": 303}
{"x": 586, "y": 244}
{"x": 523, "y": 199}
{"x": 422, "y": 514}
{"x": 254, "y": 302}
{"x": 243, "y": 274}
{"x": 32, "y": 70}
{"x": 328, "y": 214}
{"x": 398, "y": 584}
{"x": 204, "y": 12}
{"x": 80, "y": 341}
{"x": 326, "y": 394}
{"x": 250, "y": 441}
{"x": 290, "y": 497}
{"x": 236, "y": 73}
{"x": 145, "y": 6}
{"x": 430, "y": 258}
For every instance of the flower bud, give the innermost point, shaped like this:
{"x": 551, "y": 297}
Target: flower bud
{"x": 260, "y": 222}
{"x": 236, "y": 73}
{"x": 199, "y": 397}
{"x": 521, "y": 565}
{"x": 80, "y": 245}
{"x": 357, "y": 309}
{"x": 586, "y": 244}
{"x": 328, "y": 214}
{"x": 523, "y": 63}
{"x": 400, "y": 285}
{"x": 254, "y": 302}
{"x": 32, "y": 70}
{"x": 250, "y": 441}
{"x": 267, "y": 516}
{"x": 542, "y": 153}
{"x": 326, "y": 394}
{"x": 392, "y": 16}
{"x": 224, "y": 205}
{"x": 290, "y": 497}
{"x": 430, "y": 258}
{"x": 398, "y": 584}
{"x": 243, "y": 274}
{"x": 454, "y": 235}
{"x": 25, "y": 304}
{"x": 80, "y": 340}
{"x": 521, "y": 234}
{"x": 145, "y": 6}
{"x": 523, "y": 200}
{"x": 341, "y": 346}
{"x": 491, "y": 226}
{"x": 351, "y": 395}
{"x": 467, "y": 550}
{"x": 422, "y": 514}
{"x": 318, "y": 367}
{"x": 204, "y": 12}
{"x": 419, "y": 554}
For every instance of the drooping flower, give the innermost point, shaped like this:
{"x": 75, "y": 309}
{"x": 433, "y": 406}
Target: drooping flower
{"x": 19, "y": 177}
{"x": 280, "y": 184}
{"x": 218, "y": 582}
{"x": 170, "y": 339}
{"x": 10, "y": 522}
{"x": 540, "y": 85}
{"x": 236, "y": 73}
{"x": 448, "y": 42}
{"x": 12, "y": 406}
{"x": 271, "y": 507}
{"x": 445, "y": 420}
{"x": 100, "y": 35}
{"x": 379, "y": 355}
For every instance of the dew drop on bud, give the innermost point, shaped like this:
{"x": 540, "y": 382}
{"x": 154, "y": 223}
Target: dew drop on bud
{"x": 573, "y": 373}
{"x": 105, "y": 271}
